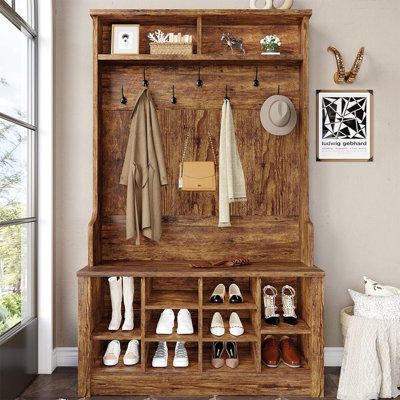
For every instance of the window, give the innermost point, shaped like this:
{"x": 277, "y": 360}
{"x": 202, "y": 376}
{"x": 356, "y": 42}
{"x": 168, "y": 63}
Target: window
{"x": 18, "y": 162}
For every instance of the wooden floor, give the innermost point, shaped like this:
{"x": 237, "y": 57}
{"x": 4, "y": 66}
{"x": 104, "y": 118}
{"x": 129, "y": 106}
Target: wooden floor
{"x": 62, "y": 385}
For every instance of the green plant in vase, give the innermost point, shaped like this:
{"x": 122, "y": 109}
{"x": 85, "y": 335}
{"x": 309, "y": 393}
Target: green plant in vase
{"x": 271, "y": 45}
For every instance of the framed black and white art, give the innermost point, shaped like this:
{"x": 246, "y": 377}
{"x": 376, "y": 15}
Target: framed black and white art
{"x": 125, "y": 39}
{"x": 344, "y": 125}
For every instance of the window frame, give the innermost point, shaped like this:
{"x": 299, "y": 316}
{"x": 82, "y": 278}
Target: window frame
{"x": 30, "y": 221}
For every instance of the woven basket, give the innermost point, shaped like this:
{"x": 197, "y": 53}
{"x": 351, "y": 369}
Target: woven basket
{"x": 179, "y": 49}
{"x": 345, "y": 316}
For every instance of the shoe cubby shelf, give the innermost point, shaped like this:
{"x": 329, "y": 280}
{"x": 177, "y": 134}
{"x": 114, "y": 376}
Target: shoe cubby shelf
{"x": 272, "y": 229}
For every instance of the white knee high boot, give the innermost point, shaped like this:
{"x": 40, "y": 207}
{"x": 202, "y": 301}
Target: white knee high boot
{"x": 128, "y": 290}
{"x": 116, "y": 300}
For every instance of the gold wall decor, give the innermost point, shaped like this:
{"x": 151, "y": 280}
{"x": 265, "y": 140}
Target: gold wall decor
{"x": 341, "y": 75}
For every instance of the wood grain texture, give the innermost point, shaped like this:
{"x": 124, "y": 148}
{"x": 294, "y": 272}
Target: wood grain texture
{"x": 251, "y": 36}
{"x": 85, "y": 327}
{"x": 272, "y": 228}
{"x": 272, "y": 272}
{"x": 94, "y": 243}
{"x": 256, "y": 238}
{"x": 197, "y": 60}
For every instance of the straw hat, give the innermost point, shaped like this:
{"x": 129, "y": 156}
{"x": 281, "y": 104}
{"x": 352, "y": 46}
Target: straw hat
{"x": 278, "y": 115}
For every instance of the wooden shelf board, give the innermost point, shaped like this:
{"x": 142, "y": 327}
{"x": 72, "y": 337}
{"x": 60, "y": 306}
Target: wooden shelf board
{"x": 100, "y": 368}
{"x": 161, "y": 299}
{"x": 214, "y": 17}
{"x": 285, "y": 329}
{"x": 284, "y": 369}
{"x": 248, "y": 303}
{"x": 179, "y": 269}
{"x": 101, "y": 332}
{"x": 154, "y": 59}
{"x": 174, "y": 337}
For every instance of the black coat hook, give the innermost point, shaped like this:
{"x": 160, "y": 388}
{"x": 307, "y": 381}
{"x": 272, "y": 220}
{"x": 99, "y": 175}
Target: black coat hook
{"x": 226, "y": 93}
{"x": 173, "y": 98}
{"x": 199, "y": 82}
{"x": 145, "y": 82}
{"x": 279, "y": 89}
{"x": 256, "y": 82}
{"x": 123, "y": 99}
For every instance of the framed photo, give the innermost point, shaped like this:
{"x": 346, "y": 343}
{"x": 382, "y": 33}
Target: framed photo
{"x": 125, "y": 39}
{"x": 344, "y": 125}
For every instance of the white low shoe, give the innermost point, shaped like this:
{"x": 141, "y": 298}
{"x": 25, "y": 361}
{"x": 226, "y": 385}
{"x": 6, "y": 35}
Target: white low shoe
{"x": 185, "y": 324}
{"x": 111, "y": 356}
{"x": 181, "y": 359}
{"x": 165, "y": 324}
{"x": 217, "y": 325}
{"x": 116, "y": 300}
{"x": 160, "y": 358}
{"x": 235, "y": 325}
{"x": 131, "y": 356}
{"x": 128, "y": 290}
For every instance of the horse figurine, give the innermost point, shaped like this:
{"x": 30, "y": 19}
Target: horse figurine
{"x": 232, "y": 42}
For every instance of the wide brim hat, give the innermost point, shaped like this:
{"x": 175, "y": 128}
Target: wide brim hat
{"x": 278, "y": 115}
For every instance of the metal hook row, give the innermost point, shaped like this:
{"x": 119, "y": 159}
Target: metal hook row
{"x": 199, "y": 83}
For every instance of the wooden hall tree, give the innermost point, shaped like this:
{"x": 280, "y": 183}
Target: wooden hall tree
{"x": 272, "y": 228}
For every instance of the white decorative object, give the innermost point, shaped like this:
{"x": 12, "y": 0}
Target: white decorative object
{"x": 373, "y": 288}
{"x": 371, "y": 362}
{"x": 125, "y": 39}
{"x": 286, "y": 5}
{"x": 377, "y": 307}
{"x": 271, "y": 45}
{"x": 159, "y": 37}
{"x": 346, "y": 314}
{"x": 268, "y": 5}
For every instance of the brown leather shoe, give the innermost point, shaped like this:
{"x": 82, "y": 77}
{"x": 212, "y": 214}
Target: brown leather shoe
{"x": 271, "y": 355}
{"x": 290, "y": 354}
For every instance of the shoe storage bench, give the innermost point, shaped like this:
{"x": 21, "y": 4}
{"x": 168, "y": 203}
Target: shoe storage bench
{"x": 272, "y": 228}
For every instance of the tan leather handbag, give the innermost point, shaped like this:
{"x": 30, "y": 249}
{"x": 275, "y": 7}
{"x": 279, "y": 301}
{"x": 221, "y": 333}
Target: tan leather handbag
{"x": 197, "y": 176}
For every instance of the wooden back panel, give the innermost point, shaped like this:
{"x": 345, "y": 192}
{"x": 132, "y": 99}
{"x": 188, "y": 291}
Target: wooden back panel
{"x": 266, "y": 227}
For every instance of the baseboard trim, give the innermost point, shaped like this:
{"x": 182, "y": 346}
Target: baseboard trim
{"x": 333, "y": 356}
{"x": 68, "y": 356}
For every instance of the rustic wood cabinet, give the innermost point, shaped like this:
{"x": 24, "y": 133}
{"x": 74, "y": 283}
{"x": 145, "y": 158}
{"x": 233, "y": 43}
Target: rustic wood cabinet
{"x": 272, "y": 228}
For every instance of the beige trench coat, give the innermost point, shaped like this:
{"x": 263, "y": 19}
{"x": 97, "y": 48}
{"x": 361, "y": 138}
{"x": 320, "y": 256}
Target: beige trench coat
{"x": 144, "y": 171}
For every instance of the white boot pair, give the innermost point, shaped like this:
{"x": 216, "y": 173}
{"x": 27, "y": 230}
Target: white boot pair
{"x": 121, "y": 287}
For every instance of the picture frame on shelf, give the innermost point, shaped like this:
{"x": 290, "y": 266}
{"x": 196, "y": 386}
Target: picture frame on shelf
{"x": 125, "y": 38}
{"x": 344, "y": 125}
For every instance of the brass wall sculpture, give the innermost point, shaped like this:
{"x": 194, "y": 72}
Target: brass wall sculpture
{"x": 342, "y": 76}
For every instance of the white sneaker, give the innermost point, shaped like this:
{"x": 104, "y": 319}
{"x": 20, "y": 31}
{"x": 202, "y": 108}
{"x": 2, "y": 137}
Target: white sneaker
{"x": 165, "y": 324}
{"x": 131, "y": 356}
{"x": 181, "y": 358}
{"x": 111, "y": 356}
{"x": 217, "y": 325}
{"x": 235, "y": 325}
{"x": 160, "y": 358}
{"x": 185, "y": 324}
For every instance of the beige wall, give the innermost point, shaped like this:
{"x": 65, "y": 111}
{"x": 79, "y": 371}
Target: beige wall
{"x": 354, "y": 206}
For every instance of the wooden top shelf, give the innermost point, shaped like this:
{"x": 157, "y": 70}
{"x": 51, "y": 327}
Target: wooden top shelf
{"x": 182, "y": 268}
{"x": 201, "y": 59}
{"x": 210, "y": 16}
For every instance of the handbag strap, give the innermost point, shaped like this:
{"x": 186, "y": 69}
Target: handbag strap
{"x": 187, "y": 142}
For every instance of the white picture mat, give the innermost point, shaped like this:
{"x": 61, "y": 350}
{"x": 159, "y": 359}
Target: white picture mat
{"x": 344, "y": 149}
{"x": 128, "y": 44}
